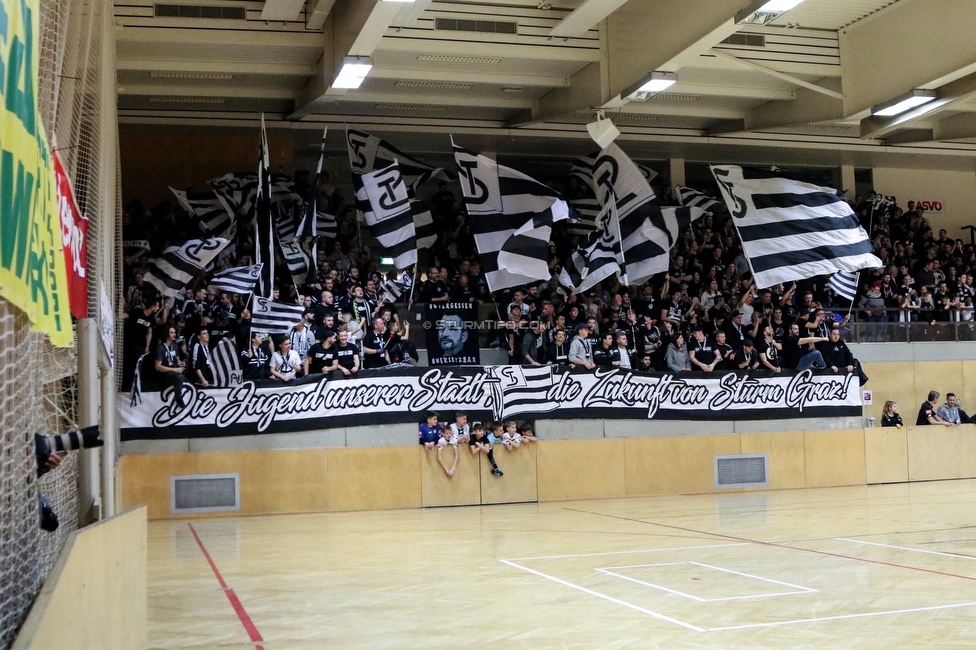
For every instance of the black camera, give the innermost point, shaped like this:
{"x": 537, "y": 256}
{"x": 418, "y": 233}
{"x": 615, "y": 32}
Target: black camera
{"x": 49, "y": 519}
{"x": 44, "y": 446}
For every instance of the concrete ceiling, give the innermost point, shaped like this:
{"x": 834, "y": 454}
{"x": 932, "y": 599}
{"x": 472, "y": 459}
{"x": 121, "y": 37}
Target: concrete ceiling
{"x": 796, "y": 91}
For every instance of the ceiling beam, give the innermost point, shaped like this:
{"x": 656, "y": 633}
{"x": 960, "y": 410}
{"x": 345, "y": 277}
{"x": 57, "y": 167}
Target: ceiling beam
{"x": 628, "y": 55}
{"x": 204, "y": 90}
{"x": 911, "y": 45}
{"x": 419, "y": 96}
{"x": 318, "y": 11}
{"x": 468, "y": 76}
{"x": 214, "y": 66}
{"x": 957, "y": 127}
{"x": 758, "y": 67}
{"x": 585, "y": 17}
{"x": 284, "y": 10}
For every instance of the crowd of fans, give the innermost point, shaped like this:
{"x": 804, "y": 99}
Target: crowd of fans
{"x": 704, "y": 315}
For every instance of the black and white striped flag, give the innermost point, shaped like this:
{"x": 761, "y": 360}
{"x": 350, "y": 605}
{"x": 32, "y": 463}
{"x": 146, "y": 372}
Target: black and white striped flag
{"x": 226, "y": 364}
{"x": 844, "y": 284}
{"x": 647, "y": 232}
{"x": 237, "y": 192}
{"x": 423, "y": 223}
{"x": 689, "y": 197}
{"x": 296, "y": 258}
{"x": 178, "y": 265}
{"x": 391, "y": 291}
{"x": 600, "y": 258}
{"x": 882, "y": 205}
{"x": 583, "y": 168}
{"x": 792, "y": 230}
{"x": 237, "y": 280}
{"x": 586, "y": 212}
{"x": 214, "y": 218}
{"x": 274, "y": 317}
{"x": 263, "y": 221}
{"x": 368, "y": 153}
{"x": 390, "y": 218}
{"x": 511, "y": 217}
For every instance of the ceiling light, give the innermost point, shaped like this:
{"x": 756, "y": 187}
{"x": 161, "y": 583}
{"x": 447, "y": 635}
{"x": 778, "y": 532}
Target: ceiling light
{"x": 763, "y": 12}
{"x": 399, "y": 0}
{"x": 352, "y": 73}
{"x": 903, "y": 103}
{"x": 657, "y": 82}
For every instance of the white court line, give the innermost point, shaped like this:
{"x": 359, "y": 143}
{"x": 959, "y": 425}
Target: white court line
{"x": 652, "y": 585}
{"x": 749, "y": 575}
{"x": 650, "y": 550}
{"x": 605, "y": 597}
{"x": 908, "y": 548}
{"x": 838, "y": 618}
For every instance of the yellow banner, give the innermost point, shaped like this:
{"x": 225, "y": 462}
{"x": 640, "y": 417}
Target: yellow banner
{"x": 32, "y": 269}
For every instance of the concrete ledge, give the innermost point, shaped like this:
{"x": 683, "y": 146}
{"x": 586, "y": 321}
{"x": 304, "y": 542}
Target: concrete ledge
{"x": 323, "y": 439}
{"x": 922, "y": 351}
{"x": 386, "y": 435}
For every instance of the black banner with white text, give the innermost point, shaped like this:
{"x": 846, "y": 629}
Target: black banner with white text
{"x": 488, "y": 392}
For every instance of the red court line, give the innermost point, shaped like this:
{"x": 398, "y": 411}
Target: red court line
{"x": 235, "y": 602}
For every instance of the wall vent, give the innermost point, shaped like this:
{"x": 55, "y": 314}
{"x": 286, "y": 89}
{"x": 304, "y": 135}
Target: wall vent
{"x": 205, "y": 493}
{"x": 200, "y": 11}
{"x": 750, "y": 40}
{"x": 447, "y": 58}
{"x": 483, "y": 26}
{"x": 185, "y": 100}
{"x": 742, "y": 470}
{"x": 637, "y": 117}
{"x": 432, "y": 84}
{"x": 676, "y": 97}
{"x": 216, "y": 76}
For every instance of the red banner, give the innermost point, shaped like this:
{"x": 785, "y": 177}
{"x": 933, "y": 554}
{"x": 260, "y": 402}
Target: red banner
{"x": 74, "y": 237}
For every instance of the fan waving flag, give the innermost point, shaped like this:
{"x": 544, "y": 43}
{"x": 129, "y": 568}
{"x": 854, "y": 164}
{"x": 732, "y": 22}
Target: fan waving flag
{"x": 647, "y": 232}
{"x": 695, "y": 199}
{"x": 238, "y": 280}
{"x": 844, "y": 284}
{"x": 792, "y": 230}
{"x": 274, "y": 317}
{"x": 178, "y": 265}
{"x": 600, "y": 259}
{"x": 215, "y": 219}
{"x": 511, "y": 217}
{"x": 389, "y": 217}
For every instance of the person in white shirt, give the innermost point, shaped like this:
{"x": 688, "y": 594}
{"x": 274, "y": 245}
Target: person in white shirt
{"x": 624, "y": 353}
{"x": 301, "y": 338}
{"x": 285, "y": 364}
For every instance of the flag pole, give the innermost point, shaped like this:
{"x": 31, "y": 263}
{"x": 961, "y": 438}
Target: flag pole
{"x": 857, "y": 278}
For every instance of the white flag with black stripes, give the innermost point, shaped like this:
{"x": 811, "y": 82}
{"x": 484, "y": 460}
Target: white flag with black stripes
{"x": 226, "y": 364}
{"x": 237, "y": 280}
{"x": 274, "y": 317}
{"x": 647, "y": 232}
{"x": 178, "y": 265}
{"x": 844, "y": 284}
{"x": 600, "y": 258}
{"x": 791, "y": 230}
{"x": 390, "y": 218}
{"x": 511, "y": 217}
{"x": 689, "y": 197}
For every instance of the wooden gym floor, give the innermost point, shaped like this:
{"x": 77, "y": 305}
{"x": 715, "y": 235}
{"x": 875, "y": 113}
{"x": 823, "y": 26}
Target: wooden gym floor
{"x": 888, "y": 566}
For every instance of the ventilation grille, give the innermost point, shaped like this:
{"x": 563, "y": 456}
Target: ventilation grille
{"x": 420, "y": 108}
{"x": 742, "y": 471}
{"x": 206, "y": 493}
{"x": 676, "y": 97}
{"x": 200, "y": 11}
{"x": 637, "y": 117}
{"x": 446, "y": 58}
{"x": 483, "y": 26}
{"x": 219, "y": 76}
{"x": 432, "y": 84}
{"x": 752, "y": 40}
{"x": 186, "y": 100}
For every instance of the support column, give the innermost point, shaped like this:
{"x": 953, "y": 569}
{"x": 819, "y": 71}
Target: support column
{"x": 677, "y": 171}
{"x": 108, "y": 188}
{"x": 88, "y": 402}
{"x": 847, "y": 181}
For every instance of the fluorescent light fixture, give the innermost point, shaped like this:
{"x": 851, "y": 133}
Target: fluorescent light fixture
{"x": 658, "y": 82}
{"x": 903, "y": 103}
{"x": 352, "y": 73}
{"x": 763, "y": 12}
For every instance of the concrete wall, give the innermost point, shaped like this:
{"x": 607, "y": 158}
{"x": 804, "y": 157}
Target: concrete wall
{"x": 955, "y": 190}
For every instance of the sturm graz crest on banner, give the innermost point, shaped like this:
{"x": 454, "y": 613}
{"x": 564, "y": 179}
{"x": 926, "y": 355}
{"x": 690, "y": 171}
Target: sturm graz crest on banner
{"x": 452, "y": 334}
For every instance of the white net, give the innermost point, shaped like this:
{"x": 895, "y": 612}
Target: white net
{"x": 44, "y": 398}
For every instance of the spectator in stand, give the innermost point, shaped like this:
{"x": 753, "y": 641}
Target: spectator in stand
{"x": 677, "y": 358}
{"x": 890, "y": 416}
{"x": 727, "y": 359}
{"x": 533, "y": 350}
{"x": 949, "y": 412}
{"x": 581, "y": 349}
{"x": 200, "y": 370}
{"x": 796, "y": 356}
{"x": 702, "y": 353}
{"x": 606, "y": 354}
{"x": 747, "y": 358}
{"x": 837, "y": 356}
{"x": 927, "y": 413}
{"x": 735, "y": 332}
{"x": 301, "y": 337}
{"x": 169, "y": 367}
{"x": 374, "y": 345}
{"x": 511, "y": 437}
{"x": 321, "y": 358}
{"x": 480, "y": 444}
{"x": 461, "y": 428}
{"x": 255, "y": 359}
{"x": 624, "y": 350}
{"x": 285, "y": 363}
{"x": 447, "y": 438}
{"x": 557, "y": 352}
{"x": 137, "y": 335}
{"x": 348, "y": 355}
{"x": 430, "y": 431}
